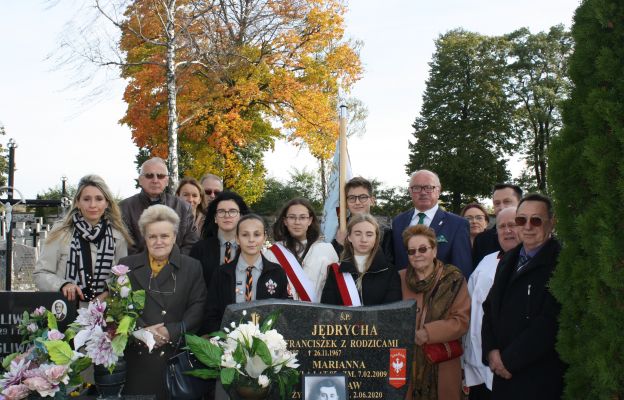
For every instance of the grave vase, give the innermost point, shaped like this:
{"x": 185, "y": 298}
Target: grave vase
{"x": 110, "y": 384}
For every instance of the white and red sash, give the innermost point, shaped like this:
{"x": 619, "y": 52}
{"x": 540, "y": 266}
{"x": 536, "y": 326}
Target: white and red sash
{"x": 346, "y": 287}
{"x": 294, "y": 271}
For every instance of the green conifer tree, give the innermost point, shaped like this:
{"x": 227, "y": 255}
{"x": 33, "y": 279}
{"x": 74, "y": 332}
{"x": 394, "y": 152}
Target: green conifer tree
{"x": 464, "y": 129}
{"x": 587, "y": 176}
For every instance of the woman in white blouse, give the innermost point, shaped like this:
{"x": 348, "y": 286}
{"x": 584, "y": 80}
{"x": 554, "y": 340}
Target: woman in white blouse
{"x": 299, "y": 251}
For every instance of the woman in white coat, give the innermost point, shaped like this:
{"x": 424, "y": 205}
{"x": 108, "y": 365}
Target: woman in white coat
{"x": 300, "y": 253}
{"x": 77, "y": 257}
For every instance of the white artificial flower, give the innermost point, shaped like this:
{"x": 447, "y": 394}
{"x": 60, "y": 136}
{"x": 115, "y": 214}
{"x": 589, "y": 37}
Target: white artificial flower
{"x": 255, "y": 366}
{"x": 244, "y": 312}
{"x": 263, "y": 381}
{"x": 227, "y": 361}
{"x": 233, "y": 324}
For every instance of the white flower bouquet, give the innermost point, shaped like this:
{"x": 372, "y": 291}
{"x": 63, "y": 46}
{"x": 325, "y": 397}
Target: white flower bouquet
{"x": 247, "y": 355}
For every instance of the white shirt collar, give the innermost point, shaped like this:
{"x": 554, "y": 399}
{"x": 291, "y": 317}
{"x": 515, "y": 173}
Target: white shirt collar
{"x": 429, "y": 214}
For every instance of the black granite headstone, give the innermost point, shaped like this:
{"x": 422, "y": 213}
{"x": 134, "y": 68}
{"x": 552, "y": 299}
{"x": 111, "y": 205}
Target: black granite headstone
{"x": 372, "y": 345}
{"x": 12, "y": 307}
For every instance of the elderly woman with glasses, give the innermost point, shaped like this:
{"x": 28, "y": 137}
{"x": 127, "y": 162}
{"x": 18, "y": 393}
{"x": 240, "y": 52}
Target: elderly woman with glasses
{"x": 477, "y": 217}
{"x": 443, "y": 313}
{"x": 174, "y": 299}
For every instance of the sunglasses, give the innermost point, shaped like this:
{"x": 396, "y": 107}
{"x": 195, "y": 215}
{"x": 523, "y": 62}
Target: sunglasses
{"x": 421, "y": 250}
{"x": 209, "y": 192}
{"x": 534, "y": 221}
{"x": 151, "y": 175}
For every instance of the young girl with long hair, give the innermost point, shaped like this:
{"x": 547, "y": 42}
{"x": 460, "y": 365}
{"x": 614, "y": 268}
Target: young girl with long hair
{"x": 299, "y": 251}
{"x": 363, "y": 277}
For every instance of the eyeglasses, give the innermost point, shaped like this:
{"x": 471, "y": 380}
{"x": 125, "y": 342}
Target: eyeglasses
{"x": 209, "y": 192}
{"x": 295, "y": 218}
{"x": 363, "y": 198}
{"x": 420, "y": 188}
{"x": 227, "y": 213}
{"x": 167, "y": 293}
{"x": 421, "y": 250}
{"x": 475, "y": 218}
{"x": 151, "y": 175}
{"x": 534, "y": 221}
{"x": 504, "y": 227}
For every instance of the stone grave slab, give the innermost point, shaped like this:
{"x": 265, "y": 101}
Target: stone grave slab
{"x": 372, "y": 346}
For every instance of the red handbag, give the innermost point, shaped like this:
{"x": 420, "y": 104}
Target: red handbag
{"x": 440, "y": 352}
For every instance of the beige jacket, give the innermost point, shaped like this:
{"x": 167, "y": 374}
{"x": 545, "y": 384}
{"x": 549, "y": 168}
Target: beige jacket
{"x": 51, "y": 266}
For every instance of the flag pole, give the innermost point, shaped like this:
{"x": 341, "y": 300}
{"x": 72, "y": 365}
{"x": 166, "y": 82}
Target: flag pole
{"x": 343, "y": 166}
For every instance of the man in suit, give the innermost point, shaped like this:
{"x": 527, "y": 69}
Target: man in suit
{"x": 520, "y": 315}
{"x": 505, "y": 195}
{"x": 452, "y": 231}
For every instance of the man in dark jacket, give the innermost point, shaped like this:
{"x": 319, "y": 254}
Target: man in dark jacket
{"x": 505, "y": 195}
{"x": 153, "y": 180}
{"x": 520, "y": 314}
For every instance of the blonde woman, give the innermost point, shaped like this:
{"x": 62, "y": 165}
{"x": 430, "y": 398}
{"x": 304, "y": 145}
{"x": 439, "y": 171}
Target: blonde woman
{"x": 363, "y": 269}
{"x": 77, "y": 257}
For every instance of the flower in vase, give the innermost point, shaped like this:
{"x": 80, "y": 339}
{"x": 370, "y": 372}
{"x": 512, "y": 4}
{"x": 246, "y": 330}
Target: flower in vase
{"x": 57, "y": 373}
{"x": 93, "y": 315}
{"x": 100, "y": 349}
{"x": 41, "y": 385}
{"x": 39, "y": 311}
{"x": 120, "y": 269}
{"x": 123, "y": 279}
{"x": 16, "y": 392}
{"x": 263, "y": 381}
{"x": 16, "y": 372}
{"x": 55, "y": 335}
{"x": 255, "y": 366}
{"x": 124, "y": 291}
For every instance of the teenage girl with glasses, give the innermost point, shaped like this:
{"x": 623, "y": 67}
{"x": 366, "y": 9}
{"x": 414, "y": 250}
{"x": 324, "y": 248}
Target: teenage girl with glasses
{"x": 299, "y": 251}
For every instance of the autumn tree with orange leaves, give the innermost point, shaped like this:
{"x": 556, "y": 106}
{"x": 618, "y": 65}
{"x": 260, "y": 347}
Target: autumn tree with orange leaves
{"x": 246, "y": 73}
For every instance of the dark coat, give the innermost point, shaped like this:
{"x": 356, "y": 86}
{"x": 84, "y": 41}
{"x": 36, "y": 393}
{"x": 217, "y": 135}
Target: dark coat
{"x": 223, "y": 287}
{"x": 381, "y": 284}
{"x": 133, "y": 207}
{"x": 385, "y": 244}
{"x": 485, "y": 243}
{"x": 520, "y": 320}
{"x": 183, "y": 277}
{"x": 208, "y": 252}
{"x": 453, "y": 235}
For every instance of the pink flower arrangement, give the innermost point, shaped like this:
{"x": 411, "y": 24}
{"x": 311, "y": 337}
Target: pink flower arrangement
{"x": 48, "y": 364}
{"x": 104, "y": 328}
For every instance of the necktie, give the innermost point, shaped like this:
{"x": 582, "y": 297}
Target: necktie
{"x": 249, "y": 285}
{"x": 421, "y": 218}
{"x": 523, "y": 260}
{"x": 228, "y": 253}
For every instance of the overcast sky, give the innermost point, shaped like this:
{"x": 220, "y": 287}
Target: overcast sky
{"x": 39, "y": 111}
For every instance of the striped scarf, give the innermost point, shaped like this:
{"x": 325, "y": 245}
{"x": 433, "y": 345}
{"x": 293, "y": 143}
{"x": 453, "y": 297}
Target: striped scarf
{"x": 90, "y": 275}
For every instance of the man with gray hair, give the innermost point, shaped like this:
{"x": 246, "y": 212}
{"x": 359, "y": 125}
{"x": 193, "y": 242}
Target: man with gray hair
{"x": 452, "y": 231}
{"x": 153, "y": 180}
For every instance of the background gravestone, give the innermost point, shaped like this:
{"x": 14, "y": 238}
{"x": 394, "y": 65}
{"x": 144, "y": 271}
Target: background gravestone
{"x": 13, "y": 305}
{"x": 372, "y": 345}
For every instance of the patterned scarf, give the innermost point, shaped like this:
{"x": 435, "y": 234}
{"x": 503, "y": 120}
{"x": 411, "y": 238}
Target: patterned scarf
{"x": 90, "y": 275}
{"x": 439, "y": 292}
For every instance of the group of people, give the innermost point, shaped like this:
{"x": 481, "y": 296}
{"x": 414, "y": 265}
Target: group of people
{"x": 199, "y": 250}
